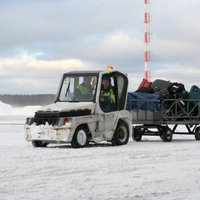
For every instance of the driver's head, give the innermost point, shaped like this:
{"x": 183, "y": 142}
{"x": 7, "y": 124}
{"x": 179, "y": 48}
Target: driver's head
{"x": 87, "y": 80}
{"x": 106, "y": 82}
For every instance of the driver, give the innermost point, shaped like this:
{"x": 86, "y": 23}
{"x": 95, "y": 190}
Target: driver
{"x": 107, "y": 95}
{"x": 84, "y": 90}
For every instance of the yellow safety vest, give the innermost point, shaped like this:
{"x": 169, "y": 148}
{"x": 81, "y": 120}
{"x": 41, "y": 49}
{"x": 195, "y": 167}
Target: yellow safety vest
{"x": 82, "y": 88}
{"x": 110, "y": 94}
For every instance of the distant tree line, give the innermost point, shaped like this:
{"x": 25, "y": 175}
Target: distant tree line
{"x": 27, "y": 100}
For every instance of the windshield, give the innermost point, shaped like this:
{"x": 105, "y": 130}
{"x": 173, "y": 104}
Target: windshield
{"x": 78, "y": 88}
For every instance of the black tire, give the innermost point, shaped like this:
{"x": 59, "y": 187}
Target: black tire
{"x": 160, "y": 129}
{"x": 80, "y": 138}
{"x": 161, "y": 136}
{"x": 166, "y": 134}
{"x": 137, "y": 134}
{"x": 121, "y": 135}
{"x": 197, "y": 133}
{"x": 38, "y": 143}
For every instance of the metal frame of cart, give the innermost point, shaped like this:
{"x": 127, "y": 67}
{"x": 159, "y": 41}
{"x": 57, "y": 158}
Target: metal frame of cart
{"x": 173, "y": 112}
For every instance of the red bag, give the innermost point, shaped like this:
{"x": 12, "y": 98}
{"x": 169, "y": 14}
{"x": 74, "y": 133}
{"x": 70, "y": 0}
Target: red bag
{"x": 144, "y": 84}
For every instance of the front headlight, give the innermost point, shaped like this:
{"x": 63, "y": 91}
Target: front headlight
{"x": 28, "y": 121}
{"x": 64, "y": 121}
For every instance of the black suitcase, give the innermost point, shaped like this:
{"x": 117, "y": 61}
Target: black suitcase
{"x": 160, "y": 84}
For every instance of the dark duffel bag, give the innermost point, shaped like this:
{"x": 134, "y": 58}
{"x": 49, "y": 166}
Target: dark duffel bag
{"x": 177, "y": 91}
{"x": 175, "y": 88}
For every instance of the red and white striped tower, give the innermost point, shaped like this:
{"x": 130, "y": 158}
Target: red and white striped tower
{"x": 146, "y": 39}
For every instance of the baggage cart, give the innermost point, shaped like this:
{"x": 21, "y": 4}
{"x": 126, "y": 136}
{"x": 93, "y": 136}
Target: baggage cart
{"x": 164, "y": 122}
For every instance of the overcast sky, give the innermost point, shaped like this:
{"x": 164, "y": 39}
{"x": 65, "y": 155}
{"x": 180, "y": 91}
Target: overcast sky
{"x": 42, "y": 39}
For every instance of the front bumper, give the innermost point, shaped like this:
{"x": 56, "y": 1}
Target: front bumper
{"x": 48, "y": 133}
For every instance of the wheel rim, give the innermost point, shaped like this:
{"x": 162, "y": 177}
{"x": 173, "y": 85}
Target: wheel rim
{"x": 122, "y": 134}
{"x": 169, "y": 134}
{"x": 81, "y": 138}
{"x": 138, "y": 137}
{"x": 137, "y": 134}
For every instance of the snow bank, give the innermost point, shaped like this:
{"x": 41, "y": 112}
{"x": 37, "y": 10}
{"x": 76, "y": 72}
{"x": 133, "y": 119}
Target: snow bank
{"x": 6, "y": 109}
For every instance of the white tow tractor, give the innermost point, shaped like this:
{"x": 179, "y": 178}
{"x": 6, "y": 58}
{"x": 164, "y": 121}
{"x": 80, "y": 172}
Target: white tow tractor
{"x": 82, "y": 118}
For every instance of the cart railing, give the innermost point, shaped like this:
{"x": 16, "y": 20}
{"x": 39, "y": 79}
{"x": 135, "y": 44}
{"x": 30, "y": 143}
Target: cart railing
{"x": 181, "y": 109}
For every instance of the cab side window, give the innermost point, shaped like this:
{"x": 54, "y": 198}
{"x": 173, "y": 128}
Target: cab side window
{"x": 108, "y": 100}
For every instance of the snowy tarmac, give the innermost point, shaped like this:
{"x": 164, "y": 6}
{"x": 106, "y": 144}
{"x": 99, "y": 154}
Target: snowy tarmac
{"x": 146, "y": 170}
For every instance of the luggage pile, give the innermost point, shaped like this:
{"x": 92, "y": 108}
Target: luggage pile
{"x": 149, "y": 95}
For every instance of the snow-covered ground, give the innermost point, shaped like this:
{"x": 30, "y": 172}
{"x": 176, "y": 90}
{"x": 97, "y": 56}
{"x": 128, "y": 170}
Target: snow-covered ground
{"x": 150, "y": 169}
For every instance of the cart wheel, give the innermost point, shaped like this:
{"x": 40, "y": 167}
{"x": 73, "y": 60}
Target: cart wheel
{"x": 137, "y": 134}
{"x": 167, "y": 134}
{"x": 197, "y": 133}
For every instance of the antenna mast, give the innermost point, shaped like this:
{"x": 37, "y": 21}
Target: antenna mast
{"x": 146, "y": 39}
